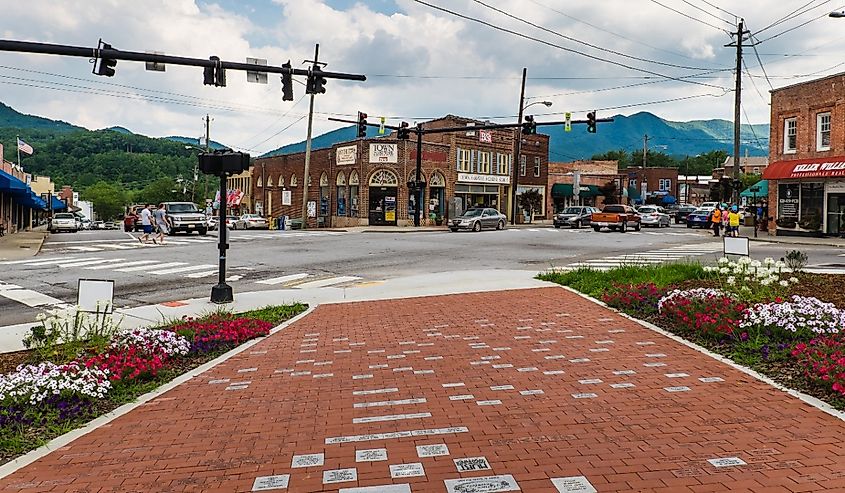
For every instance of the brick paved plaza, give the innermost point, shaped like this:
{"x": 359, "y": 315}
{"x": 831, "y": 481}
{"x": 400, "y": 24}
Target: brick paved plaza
{"x": 535, "y": 390}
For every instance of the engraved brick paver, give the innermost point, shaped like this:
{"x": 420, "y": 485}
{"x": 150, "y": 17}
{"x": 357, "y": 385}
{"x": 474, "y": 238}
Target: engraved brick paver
{"x": 667, "y": 430}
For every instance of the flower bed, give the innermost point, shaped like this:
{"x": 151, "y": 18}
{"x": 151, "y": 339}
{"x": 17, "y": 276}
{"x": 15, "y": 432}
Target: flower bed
{"x": 42, "y": 399}
{"x": 757, "y": 313}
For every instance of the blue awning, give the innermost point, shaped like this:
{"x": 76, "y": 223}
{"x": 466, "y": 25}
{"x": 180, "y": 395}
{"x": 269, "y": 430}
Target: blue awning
{"x": 58, "y": 204}
{"x": 9, "y": 183}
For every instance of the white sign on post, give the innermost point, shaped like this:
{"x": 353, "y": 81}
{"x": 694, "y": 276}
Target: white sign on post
{"x": 95, "y": 296}
{"x": 286, "y": 197}
{"x": 736, "y": 246}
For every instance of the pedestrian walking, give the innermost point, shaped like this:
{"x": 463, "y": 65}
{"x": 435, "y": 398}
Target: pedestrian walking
{"x": 162, "y": 223}
{"x": 733, "y": 221}
{"x": 146, "y": 224}
{"x": 716, "y": 220}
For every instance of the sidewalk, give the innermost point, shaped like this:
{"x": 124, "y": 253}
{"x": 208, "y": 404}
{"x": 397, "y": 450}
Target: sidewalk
{"x": 792, "y": 240}
{"x": 533, "y": 390}
{"x": 22, "y": 244}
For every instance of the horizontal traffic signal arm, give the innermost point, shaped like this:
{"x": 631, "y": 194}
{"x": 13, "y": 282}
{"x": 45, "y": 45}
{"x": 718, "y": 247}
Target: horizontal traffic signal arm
{"x": 491, "y": 126}
{"x": 135, "y": 56}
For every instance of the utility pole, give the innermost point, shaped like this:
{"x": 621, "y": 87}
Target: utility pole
{"x": 740, "y": 32}
{"x": 518, "y": 149}
{"x": 308, "y": 148}
{"x": 205, "y": 187}
{"x": 645, "y": 151}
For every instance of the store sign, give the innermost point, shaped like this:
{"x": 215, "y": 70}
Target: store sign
{"x": 485, "y": 136}
{"x": 383, "y": 153}
{"x": 476, "y": 178}
{"x": 788, "y": 201}
{"x": 346, "y": 155}
{"x": 807, "y": 168}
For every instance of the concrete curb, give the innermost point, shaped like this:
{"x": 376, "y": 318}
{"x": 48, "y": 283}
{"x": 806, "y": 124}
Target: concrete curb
{"x": 799, "y": 242}
{"x": 808, "y": 399}
{"x": 63, "y": 440}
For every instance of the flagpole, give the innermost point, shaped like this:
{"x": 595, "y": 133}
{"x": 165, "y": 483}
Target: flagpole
{"x": 18, "y": 145}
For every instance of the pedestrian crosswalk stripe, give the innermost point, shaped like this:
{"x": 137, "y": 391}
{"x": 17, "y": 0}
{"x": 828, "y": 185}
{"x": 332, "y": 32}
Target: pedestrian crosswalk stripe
{"x": 119, "y": 246}
{"x": 283, "y": 279}
{"x": 36, "y": 263}
{"x": 29, "y": 260}
{"x": 177, "y": 270}
{"x": 83, "y": 248}
{"x": 197, "y": 275}
{"x": 83, "y": 263}
{"x": 327, "y": 282}
{"x": 146, "y": 267}
{"x": 134, "y": 263}
{"x": 195, "y": 240}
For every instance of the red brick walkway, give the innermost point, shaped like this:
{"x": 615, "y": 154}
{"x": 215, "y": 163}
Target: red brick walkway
{"x": 532, "y": 384}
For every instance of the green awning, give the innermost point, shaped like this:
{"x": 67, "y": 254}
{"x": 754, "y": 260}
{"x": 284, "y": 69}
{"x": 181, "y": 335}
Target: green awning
{"x": 633, "y": 193}
{"x": 761, "y": 189}
{"x": 565, "y": 190}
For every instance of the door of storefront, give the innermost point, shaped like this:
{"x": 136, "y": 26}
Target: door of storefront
{"x": 383, "y": 206}
{"x": 836, "y": 214}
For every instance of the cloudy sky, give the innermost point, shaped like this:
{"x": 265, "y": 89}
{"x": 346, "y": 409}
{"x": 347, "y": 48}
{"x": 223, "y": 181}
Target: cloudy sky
{"x": 421, "y": 61}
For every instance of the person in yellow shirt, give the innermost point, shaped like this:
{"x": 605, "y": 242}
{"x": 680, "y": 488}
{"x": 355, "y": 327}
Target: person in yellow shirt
{"x": 733, "y": 221}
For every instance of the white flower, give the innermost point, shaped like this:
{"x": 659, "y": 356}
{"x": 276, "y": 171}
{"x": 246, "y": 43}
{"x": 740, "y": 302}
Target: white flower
{"x": 755, "y": 263}
{"x": 724, "y": 260}
{"x": 784, "y": 283}
{"x": 723, "y": 270}
{"x": 769, "y": 261}
{"x": 730, "y": 280}
{"x": 793, "y": 280}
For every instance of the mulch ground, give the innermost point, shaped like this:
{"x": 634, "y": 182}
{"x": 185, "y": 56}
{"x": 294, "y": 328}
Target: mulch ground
{"x": 476, "y": 392}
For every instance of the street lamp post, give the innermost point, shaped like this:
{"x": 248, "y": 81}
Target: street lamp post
{"x": 516, "y": 164}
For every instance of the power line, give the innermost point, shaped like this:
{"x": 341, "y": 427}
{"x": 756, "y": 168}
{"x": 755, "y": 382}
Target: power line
{"x": 798, "y": 26}
{"x": 607, "y": 31}
{"x": 721, "y": 9}
{"x": 576, "y": 40}
{"x": 747, "y": 71}
{"x": 760, "y": 61}
{"x": 587, "y": 91}
{"x": 707, "y": 12}
{"x": 690, "y": 17}
{"x": 790, "y": 15}
{"x": 553, "y": 45}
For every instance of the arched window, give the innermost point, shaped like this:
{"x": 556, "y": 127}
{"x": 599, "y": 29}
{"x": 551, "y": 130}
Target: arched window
{"x": 353, "y": 178}
{"x": 259, "y": 183}
{"x": 281, "y": 181}
{"x": 353, "y": 193}
{"x": 437, "y": 180}
{"x": 324, "y": 180}
{"x": 341, "y": 179}
{"x": 293, "y": 181}
{"x": 384, "y": 177}
{"x": 269, "y": 182}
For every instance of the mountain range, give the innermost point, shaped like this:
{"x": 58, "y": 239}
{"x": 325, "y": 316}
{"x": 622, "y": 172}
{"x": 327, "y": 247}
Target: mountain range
{"x": 677, "y": 139}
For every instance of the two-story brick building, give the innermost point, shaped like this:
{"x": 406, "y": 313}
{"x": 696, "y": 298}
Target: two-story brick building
{"x": 368, "y": 181}
{"x": 807, "y": 155}
{"x": 652, "y": 185}
{"x": 591, "y": 176}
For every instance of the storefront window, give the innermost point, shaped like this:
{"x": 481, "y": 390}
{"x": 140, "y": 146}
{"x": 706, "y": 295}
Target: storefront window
{"x": 341, "y": 200}
{"x": 787, "y": 205}
{"x": 353, "y": 197}
{"x": 812, "y": 206}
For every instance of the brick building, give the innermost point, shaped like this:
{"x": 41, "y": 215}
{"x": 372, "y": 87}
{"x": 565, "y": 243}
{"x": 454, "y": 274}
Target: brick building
{"x": 239, "y": 188}
{"x": 650, "y": 185}
{"x": 806, "y": 177}
{"x": 591, "y": 176}
{"x": 749, "y": 165}
{"x": 366, "y": 181}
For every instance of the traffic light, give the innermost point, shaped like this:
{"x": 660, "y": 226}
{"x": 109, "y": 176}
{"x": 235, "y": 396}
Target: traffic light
{"x": 529, "y": 127}
{"x": 224, "y": 161}
{"x": 591, "y": 122}
{"x": 214, "y": 75}
{"x": 362, "y": 125}
{"x": 287, "y": 84}
{"x": 316, "y": 82}
{"x": 107, "y": 65}
{"x": 404, "y": 133}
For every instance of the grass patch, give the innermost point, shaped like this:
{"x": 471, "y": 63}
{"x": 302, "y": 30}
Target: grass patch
{"x": 596, "y": 283}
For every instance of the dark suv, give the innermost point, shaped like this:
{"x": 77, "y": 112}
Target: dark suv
{"x": 682, "y": 213}
{"x": 574, "y": 216}
{"x": 184, "y": 216}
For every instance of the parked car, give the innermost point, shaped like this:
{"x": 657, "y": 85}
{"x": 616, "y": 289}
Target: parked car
{"x": 709, "y": 205}
{"x": 110, "y": 225}
{"x": 615, "y": 217}
{"x": 184, "y": 216}
{"x": 478, "y": 218}
{"x": 63, "y": 221}
{"x": 253, "y": 221}
{"x": 233, "y": 222}
{"x": 699, "y": 218}
{"x": 574, "y": 217}
{"x": 682, "y": 213}
{"x": 652, "y": 215}
{"x": 86, "y": 223}
{"x": 98, "y": 225}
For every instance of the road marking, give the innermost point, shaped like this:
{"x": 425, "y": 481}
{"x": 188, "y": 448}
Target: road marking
{"x": 138, "y": 262}
{"x": 38, "y": 263}
{"x": 83, "y": 263}
{"x": 327, "y": 282}
{"x": 84, "y": 249}
{"x": 29, "y": 297}
{"x": 180, "y": 269}
{"x": 283, "y": 279}
{"x": 146, "y": 267}
{"x": 118, "y": 246}
{"x": 197, "y": 275}
{"x": 15, "y": 262}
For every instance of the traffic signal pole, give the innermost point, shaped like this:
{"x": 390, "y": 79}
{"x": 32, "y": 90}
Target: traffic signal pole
{"x": 222, "y": 292}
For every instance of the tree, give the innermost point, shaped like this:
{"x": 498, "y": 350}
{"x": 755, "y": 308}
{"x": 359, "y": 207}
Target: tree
{"x": 621, "y": 155}
{"x": 108, "y": 200}
{"x": 161, "y": 190}
{"x": 610, "y": 192}
{"x": 531, "y": 200}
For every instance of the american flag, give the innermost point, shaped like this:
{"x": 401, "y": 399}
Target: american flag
{"x": 24, "y": 147}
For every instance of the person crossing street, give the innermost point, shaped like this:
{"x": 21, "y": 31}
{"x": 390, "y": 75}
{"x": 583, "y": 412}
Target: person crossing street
{"x": 147, "y": 224}
{"x": 716, "y": 219}
{"x": 162, "y": 223}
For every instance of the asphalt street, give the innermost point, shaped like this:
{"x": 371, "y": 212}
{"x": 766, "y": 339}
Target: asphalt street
{"x": 186, "y": 266}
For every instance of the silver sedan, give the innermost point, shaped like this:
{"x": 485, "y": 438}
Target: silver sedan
{"x": 478, "y": 218}
{"x": 653, "y": 215}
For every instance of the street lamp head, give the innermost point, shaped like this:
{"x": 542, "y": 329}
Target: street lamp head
{"x": 837, "y": 14}
{"x": 547, "y": 103}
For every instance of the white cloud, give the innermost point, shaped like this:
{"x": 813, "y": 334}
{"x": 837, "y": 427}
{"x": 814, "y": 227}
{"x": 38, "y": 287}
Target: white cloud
{"x": 414, "y": 40}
